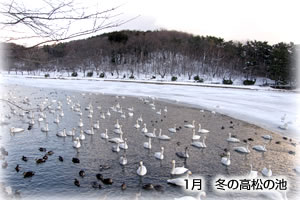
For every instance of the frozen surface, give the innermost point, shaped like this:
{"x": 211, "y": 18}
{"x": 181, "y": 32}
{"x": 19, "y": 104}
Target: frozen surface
{"x": 262, "y": 107}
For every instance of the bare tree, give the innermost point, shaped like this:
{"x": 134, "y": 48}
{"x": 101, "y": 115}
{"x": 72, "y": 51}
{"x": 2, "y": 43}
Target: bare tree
{"x": 54, "y": 20}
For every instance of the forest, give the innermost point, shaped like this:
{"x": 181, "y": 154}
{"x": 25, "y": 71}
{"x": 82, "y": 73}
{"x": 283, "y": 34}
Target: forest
{"x": 158, "y": 54}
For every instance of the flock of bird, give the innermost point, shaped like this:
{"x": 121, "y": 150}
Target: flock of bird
{"x": 116, "y": 136}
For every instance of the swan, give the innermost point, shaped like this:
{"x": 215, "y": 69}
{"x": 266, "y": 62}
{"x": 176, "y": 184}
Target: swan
{"x": 130, "y": 114}
{"x": 201, "y": 130}
{"x": 56, "y": 120}
{"x": 172, "y": 130}
{"x": 195, "y": 137}
{"x": 226, "y": 160}
{"x": 40, "y": 119}
{"x": 201, "y": 194}
{"x": 159, "y": 112}
{"x": 116, "y": 148}
{"x": 117, "y": 139}
{"x": 163, "y": 137}
{"x": 166, "y": 109}
{"x": 252, "y": 174}
{"x": 81, "y": 136}
{"x": 140, "y": 119}
{"x": 267, "y": 137}
{"x": 123, "y": 160}
{"x": 283, "y": 117}
{"x": 104, "y": 135}
{"x": 153, "y": 135}
{"x": 61, "y": 114}
{"x": 118, "y": 130}
{"x": 31, "y": 122}
{"x": 267, "y": 172}
{"x": 118, "y": 106}
{"x": 90, "y": 115}
{"x": 124, "y": 145}
{"x": 117, "y": 125}
{"x": 120, "y": 111}
{"x": 97, "y": 125}
{"x": 231, "y": 139}
{"x": 102, "y": 116}
{"x": 147, "y": 145}
{"x": 145, "y": 130}
{"x": 137, "y": 124}
{"x": 190, "y": 125}
{"x": 242, "y": 149}
{"x": 177, "y": 170}
{"x": 183, "y": 154}
{"x": 200, "y": 144}
{"x": 284, "y": 126}
{"x": 179, "y": 181}
{"x": 76, "y": 143}
{"x": 89, "y": 131}
{"x": 159, "y": 155}
{"x": 45, "y": 129}
{"x": 80, "y": 123}
{"x": 16, "y": 130}
{"x": 260, "y": 148}
{"x": 123, "y": 116}
{"x": 62, "y": 133}
{"x": 130, "y": 109}
{"x": 72, "y": 132}
{"x": 142, "y": 170}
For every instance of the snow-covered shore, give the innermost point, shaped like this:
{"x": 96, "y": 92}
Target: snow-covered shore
{"x": 260, "y": 106}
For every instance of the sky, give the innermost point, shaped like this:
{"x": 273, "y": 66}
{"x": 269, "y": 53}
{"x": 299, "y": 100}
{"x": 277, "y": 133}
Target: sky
{"x": 239, "y": 20}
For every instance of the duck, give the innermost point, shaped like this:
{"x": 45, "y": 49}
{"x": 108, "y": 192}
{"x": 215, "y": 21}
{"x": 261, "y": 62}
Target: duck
{"x": 260, "y": 148}
{"x": 72, "y": 132}
{"x": 159, "y": 155}
{"x": 81, "y": 136}
{"x": 242, "y": 149}
{"x": 76, "y": 143}
{"x": 16, "y": 130}
{"x": 104, "y": 180}
{"x": 28, "y": 174}
{"x": 123, "y": 186}
{"x": 177, "y": 170}
{"x": 45, "y": 128}
{"x": 200, "y": 144}
{"x": 124, "y": 145}
{"x": 179, "y": 181}
{"x": 183, "y": 154}
{"x": 147, "y": 145}
{"x": 145, "y": 130}
{"x": 17, "y": 168}
{"x": 89, "y": 131}
{"x": 117, "y": 139}
{"x": 80, "y": 123}
{"x": 104, "y": 135}
{"x": 116, "y": 148}
{"x": 190, "y": 125}
{"x": 152, "y": 135}
{"x": 267, "y": 137}
{"x": 195, "y": 137}
{"x": 226, "y": 159}
{"x": 117, "y": 125}
{"x": 137, "y": 124}
{"x": 62, "y": 133}
{"x": 148, "y": 186}
{"x": 252, "y": 174}
{"x": 75, "y": 160}
{"x": 201, "y": 194}
{"x": 60, "y": 158}
{"x": 267, "y": 172}
{"x": 81, "y": 173}
{"x": 201, "y": 130}
{"x": 142, "y": 170}
{"x": 97, "y": 125}
{"x": 123, "y": 160}
{"x": 76, "y": 182}
{"x": 24, "y": 158}
{"x": 172, "y": 130}
{"x": 231, "y": 139}
{"x": 162, "y": 137}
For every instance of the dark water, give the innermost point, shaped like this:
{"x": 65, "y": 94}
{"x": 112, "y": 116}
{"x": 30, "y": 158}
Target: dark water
{"x": 55, "y": 179}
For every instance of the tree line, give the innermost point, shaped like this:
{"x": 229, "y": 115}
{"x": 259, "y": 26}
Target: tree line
{"x": 158, "y": 54}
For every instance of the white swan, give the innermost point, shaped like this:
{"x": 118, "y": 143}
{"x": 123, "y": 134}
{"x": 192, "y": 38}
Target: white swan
{"x": 140, "y": 119}
{"x": 260, "y": 148}
{"x": 40, "y": 119}
{"x": 80, "y": 123}
{"x": 145, "y": 130}
{"x": 148, "y": 145}
{"x": 179, "y": 181}
{"x": 120, "y": 111}
{"x": 97, "y": 125}
{"x": 190, "y": 125}
{"x": 162, "y": 137}
{"x": 124, "y": 145}
{"x": 172, "y": 130}
{"x": 81, "y": 136}
{"x": 117, "y": 139}
{"x": 31, "y": 122}
{"x": 231, "y": 139}
{"x": 89, "y": 131}
{"x": 61, "y": 114}
{"x": 45, "y": 128}
{"x": 116, "y": 148}
{"x": 201, "y": 194}
{"x": 142, "y": 170}
{"x": 117, "y": 125}
{"x": 267, "y": 172}
{"x": 137, "y": 124}
{"x": 130, "y": 109}
{"x": 123, "y": 116}
{"x": 159, "y": 155}
{"x": 252, "y": 174}
{"x": 123, "y": 160}
{"x": 62, "y": 133}
{"x": 195, "y": 137}
{"x": 16, "y": 130}
{"x": 226, "y": 160}
{"x": 202, "y": 130}
{"x": 177, "y": 170}
{"x": 104, "y": 135}
{"x": 166, "y": 109}
{"x": 200, "y": 144}
{"x": 159, "y": 112}
{"x": 153, "y": 135}
{"x": 267, "y": 137}
{"x": 130, "y": 114}
{"x": 242, "y": 149}
{"x": 102, "y": 116}
{"x": 56, "y": 120}
{"x": 76, "y": 143}
{"x": 284, "y": 126}
{"x": 72, "y": 132}
{"x": 118, "y": 130}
